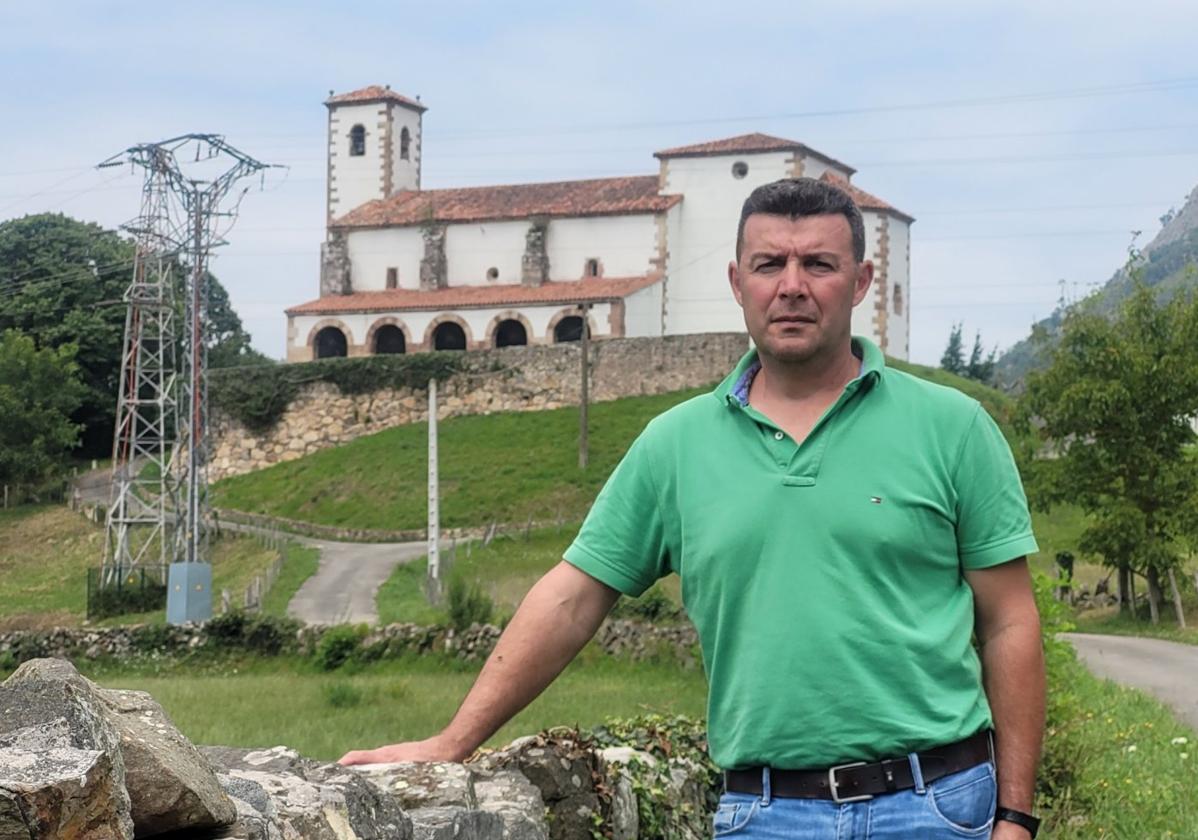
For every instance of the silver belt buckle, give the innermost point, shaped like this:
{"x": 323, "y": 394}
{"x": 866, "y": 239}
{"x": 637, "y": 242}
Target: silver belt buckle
{"x": 834, "y": 788}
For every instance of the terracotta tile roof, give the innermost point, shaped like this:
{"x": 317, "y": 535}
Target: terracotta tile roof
{"x": 374, "y": 93}
{"x": 748, "y": 143}
{"x": 478, "y": 297}
{"x": 864, "y": 200}
{"x": 596, "y": 197}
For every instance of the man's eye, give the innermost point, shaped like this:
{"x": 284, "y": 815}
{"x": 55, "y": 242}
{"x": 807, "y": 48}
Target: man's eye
{"x": 821, "y": 265}
{"x": 768, "y": 265}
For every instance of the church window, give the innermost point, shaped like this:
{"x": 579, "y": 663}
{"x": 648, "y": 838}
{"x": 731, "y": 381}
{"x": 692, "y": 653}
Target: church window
{"x": 405, "y": 141}
{"x": 740, "y": 169}
{"x": 392, "y": 278}
{"x": 592, "y": 268}
{"x": 510, "y": 333}
{"x": 389, "y": 340}
{"x": 449, "y": 336}
{"x": 568, "y": 329}
{"x": 898, "y": 299}
{"x": 492, "y": 274}
{"x": 330, "y": 343}
{"x": 357, "y": 140}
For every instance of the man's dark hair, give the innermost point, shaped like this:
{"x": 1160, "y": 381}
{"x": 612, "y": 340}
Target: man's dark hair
{"x": 800, "y": 197}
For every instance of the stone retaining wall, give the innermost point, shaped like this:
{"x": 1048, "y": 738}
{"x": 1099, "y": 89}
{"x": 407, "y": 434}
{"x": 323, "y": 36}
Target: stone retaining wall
{"x": 509, "y": 379}
{"x": 634, "y": 639}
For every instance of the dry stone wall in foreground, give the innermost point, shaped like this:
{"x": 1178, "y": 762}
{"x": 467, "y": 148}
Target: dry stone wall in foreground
{"x": 83, "y": 762}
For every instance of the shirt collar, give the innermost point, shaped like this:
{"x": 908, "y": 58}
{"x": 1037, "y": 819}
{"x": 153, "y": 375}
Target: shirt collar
{"x": 735, "y": 388}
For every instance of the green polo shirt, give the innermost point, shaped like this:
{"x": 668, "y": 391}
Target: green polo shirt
{"x": 824, "y": 578}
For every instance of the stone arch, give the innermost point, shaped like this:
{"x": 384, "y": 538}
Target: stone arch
{"x": 388, "y": 321}
{"x": 508, "y": 315}
{"x": 568, "y": 312}
{"x": 329, "y": 322}
{"x": 447, "y": 318}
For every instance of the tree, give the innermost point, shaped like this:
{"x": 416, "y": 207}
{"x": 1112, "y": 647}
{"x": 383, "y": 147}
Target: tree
{"x": 953, "y": 359}
{"x": 1115, "y": 407}
{"x": 39, "y": 390}
{"x": 62, "y": 282}
{"x": 979, "y": 369}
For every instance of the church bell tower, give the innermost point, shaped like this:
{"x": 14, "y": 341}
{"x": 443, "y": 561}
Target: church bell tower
{"x": 374, "y": 146}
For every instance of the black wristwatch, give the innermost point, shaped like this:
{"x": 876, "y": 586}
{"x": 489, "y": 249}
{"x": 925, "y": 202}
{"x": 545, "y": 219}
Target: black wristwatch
{"x": 1019, "y": 818}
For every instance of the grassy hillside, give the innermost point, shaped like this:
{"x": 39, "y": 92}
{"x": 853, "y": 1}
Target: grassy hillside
{"x": 45, "y": 552}
{"x": 500, "y": 467}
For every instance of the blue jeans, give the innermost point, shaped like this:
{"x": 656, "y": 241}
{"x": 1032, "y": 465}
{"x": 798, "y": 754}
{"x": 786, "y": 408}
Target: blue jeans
{"x": 955, "y": 806}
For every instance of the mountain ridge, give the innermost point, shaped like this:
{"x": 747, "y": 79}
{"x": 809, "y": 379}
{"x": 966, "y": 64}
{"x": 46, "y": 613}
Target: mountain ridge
{"x": 1166, "y": 263}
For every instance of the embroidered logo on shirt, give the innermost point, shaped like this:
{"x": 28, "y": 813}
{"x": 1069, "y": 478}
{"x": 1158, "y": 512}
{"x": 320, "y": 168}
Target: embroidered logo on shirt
{"x": 877, "y": 500}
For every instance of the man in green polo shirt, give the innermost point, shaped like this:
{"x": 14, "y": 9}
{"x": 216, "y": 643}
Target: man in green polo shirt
{"x": 841, "y": 530}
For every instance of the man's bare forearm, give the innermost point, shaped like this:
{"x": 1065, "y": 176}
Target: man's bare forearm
{"x": 558, "y": 616}
{"x": 1013, "y": 673}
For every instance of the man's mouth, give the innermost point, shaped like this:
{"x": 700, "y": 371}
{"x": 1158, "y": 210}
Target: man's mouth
{"x": 793, "y": 319}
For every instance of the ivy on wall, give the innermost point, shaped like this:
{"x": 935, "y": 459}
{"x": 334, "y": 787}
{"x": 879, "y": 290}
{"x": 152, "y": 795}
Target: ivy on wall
{"x": 257, "y": 396}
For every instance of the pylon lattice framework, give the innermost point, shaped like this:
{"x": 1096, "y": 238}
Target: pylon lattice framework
{"x": 162, "y": 411}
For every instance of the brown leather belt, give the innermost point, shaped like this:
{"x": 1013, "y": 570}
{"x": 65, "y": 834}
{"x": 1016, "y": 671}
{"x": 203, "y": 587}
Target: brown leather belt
{"x": 858, "y": 781}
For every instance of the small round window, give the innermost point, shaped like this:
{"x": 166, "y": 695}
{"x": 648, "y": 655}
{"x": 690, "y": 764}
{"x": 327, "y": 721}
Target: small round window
{"x": 740, "y": 169}
{"x": 492, "y": 274}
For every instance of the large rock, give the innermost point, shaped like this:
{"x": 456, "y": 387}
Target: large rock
{"x": 48, "y": 709}
{"x": 432, "y": 784}
{"x": 454, "y": 823}
{"x": 170, "y": 784}
{"x": 515, "y": 800}
{"x": 565, "y": 773}
{"x": 442, "y": 798}
{"x": 311, "y": 800}
{"x": 257, "y": 817}
{"x": 50, "y": 789}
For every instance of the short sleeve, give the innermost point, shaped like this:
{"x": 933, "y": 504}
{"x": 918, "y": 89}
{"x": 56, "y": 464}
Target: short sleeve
{"x": 993, "y": 523}
{"x": 622, "y": 541}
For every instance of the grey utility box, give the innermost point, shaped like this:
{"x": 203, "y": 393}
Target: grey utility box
{"x": 189, "y": 593}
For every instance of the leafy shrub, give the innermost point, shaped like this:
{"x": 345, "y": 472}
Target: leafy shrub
{"x": 338, "y": 645}
{"x": 666, "y": 739}
{"x": 270, "y": 634}
{"x": 149, "y": 638}
{"x": 265, "y": 634}
{"x": 468, "y": 604}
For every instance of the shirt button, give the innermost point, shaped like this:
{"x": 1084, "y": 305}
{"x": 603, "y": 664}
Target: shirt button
{"x": 779, "y": 435}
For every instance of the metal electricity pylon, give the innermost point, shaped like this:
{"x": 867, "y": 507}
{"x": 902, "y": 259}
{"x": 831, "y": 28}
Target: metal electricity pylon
{"x": 139, "y": 532}
{"x": 194, "y": 173}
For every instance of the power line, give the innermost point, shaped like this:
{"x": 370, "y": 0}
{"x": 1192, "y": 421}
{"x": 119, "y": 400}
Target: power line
{"x": 1004, "y": 99}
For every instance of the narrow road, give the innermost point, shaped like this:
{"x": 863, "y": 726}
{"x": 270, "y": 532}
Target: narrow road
{"x": 1166, "y": 670}
{"x": 348, "y": 579}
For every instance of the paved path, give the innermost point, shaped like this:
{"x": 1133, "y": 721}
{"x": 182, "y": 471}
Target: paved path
{"x": 350, "y": 574}
{"x": 1166, "y": 670}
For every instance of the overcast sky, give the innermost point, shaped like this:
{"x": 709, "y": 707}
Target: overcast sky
{"x": 1027, "y": 138}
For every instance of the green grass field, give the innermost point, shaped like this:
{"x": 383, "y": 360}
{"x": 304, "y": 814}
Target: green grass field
{"x": 1128, "y": 768}
{"x": 236, "y": 703}
{"x": 45, "y": 552}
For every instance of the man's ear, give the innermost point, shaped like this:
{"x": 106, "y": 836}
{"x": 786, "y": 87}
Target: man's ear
{"x": 734, "y": 281}
{"x": 865, "y": 276}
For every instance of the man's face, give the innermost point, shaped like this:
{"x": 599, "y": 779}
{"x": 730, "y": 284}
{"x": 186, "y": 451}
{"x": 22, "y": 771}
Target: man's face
{"x": 797, "y": 282}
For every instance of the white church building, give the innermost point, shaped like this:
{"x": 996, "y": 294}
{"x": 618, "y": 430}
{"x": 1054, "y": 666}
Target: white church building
{"x": 406, "y": 269}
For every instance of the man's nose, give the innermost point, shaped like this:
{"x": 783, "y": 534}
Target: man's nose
{"x": 793, "y": 282}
